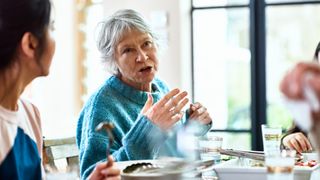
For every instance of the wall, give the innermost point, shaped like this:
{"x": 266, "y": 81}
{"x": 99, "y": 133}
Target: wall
{"x": 55, "y": 95}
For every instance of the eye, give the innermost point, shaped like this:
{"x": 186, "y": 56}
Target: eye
{"x": 127, "y": 50}
{"x": 147, "y": 44}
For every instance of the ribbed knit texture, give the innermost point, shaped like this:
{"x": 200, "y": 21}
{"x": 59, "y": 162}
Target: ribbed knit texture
{"x": 135, "y": 136}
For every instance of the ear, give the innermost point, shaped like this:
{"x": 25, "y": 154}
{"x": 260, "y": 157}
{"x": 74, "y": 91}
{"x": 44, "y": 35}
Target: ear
{"x": 29, "y": 44}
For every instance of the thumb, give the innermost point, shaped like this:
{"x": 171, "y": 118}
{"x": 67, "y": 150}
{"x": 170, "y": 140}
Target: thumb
{"x": 148, "y": 104}
{"x": 110, "y": 161}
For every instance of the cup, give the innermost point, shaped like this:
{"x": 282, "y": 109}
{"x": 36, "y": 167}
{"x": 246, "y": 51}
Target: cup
{"x": 280, "y": 164}
{"x": 271, "y": 139}
{"x": 209, "y": 148}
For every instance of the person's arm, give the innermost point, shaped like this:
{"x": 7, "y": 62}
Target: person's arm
{"x": 293, "y": 85}
{"x": 141, "y": 142}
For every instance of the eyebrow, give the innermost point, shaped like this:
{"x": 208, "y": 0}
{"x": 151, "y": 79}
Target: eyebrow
{"x": 128, "y": 45}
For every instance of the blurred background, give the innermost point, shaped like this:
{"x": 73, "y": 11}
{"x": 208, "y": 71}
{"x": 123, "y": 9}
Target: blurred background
{"x": 228, "y": 54}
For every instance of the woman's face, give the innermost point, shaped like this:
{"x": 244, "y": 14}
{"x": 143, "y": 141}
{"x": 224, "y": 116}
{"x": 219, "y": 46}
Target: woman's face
{"x": 136, "y": 58}
{"x": 47, "y": 54}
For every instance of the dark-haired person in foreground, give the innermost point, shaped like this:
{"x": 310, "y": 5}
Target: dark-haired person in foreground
{"x": 26, "y": 51}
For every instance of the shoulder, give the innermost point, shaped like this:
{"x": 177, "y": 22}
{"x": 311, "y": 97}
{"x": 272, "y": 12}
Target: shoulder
{"x": 32, "y": 110}
{"x": 34, "y": 119}
{"x": 99, "y": 105}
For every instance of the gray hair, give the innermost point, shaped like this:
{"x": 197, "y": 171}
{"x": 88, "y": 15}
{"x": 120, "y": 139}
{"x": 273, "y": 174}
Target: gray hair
{"x": 114, "y": 28}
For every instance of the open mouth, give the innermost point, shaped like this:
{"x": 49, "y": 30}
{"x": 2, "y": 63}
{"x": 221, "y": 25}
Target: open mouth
{"x": 146, "y": 69}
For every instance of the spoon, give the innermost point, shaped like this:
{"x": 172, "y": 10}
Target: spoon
{"x": 107, "y": 126}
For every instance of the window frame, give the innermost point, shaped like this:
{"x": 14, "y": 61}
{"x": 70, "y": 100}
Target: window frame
{"x": 257, "y": 12}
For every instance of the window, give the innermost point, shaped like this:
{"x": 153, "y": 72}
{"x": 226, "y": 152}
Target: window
{"x": 241, "y": 50}
{"x": 292, "y": 35}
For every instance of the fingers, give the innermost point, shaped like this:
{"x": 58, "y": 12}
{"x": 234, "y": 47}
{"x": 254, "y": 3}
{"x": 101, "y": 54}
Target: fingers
{"x": 111, "y": 171}
{"x": 113, "y": 178}
{"x": 110, "y": 161}
{"x": 295, "y": 145}
{"x": 199, "y": 113}
{"x": 105, "y": 170}
{"x": 177, "y": 109}
{"x": 168, "y": 97}
{"x": 297, "y": 141}
{"x": 148, "y": 104}
{"x": 174, "y": 101}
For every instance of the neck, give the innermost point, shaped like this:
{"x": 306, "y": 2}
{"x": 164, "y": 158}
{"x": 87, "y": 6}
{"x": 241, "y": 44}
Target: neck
{"x": 13, "y": 84}
{"x": 139, "y": 86}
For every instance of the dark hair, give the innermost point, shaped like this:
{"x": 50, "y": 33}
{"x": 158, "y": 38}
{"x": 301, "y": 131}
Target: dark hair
{"x": 18, "y": 17}
{"x": 316, "y": 53}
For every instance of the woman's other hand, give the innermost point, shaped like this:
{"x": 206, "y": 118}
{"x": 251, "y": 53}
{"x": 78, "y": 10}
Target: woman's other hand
{"x": 168, "y": 110}
{"x": 105, "y": 171}
{"x": 199, "y": 113}
{"x": 297, "y": 141}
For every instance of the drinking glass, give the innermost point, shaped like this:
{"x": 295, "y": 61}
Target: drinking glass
{"x": 209, "y": 150}
{"x": 280, "y": 164}
{"x": 271, "y": 139}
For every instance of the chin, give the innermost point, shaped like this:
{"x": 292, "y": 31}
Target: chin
{"x": 44, "y": 73}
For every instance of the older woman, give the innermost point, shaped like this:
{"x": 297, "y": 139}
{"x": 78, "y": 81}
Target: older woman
{"x": 141, "y": 106}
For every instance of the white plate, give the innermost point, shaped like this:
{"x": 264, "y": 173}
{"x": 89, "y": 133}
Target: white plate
{"x": 232, "y": 169}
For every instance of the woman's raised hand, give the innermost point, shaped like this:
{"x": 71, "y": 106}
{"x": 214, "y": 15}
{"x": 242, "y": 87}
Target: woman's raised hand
{"x": 199, "y": 113}
{"x": 168, "y": 110}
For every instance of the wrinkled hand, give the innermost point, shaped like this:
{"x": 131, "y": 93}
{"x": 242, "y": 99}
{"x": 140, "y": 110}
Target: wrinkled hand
{"x": 199, "y": 113}
{"x": 167, "y": 111}
{"x": 297, "y": 141}
{"x": 105, "y": 171}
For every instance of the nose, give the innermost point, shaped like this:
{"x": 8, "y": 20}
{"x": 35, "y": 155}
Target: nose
{"x": 141, "y": 56}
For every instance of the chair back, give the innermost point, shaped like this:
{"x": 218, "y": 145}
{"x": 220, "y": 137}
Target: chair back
{"x": 55, "y": 149}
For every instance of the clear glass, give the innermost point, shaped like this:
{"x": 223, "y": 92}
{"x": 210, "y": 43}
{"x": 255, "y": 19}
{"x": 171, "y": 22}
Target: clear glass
{"x": 271, "y": 137}
{"x": 209, "y": 148}
{"x": 292, "y": 36}
{"x": 280, "y": 165}
{"x": 206, "y": 3}
{"x": 222, "y": 65}
{"x": 231, "y": 140}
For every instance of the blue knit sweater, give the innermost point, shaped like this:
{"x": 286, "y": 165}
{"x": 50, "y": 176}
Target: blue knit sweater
{"x": 135, "y": 136}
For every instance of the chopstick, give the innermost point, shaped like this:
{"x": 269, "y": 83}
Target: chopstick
{"x": 256, "y": 155}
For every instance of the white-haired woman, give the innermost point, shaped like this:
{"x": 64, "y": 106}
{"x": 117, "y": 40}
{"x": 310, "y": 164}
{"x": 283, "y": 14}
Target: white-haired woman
{"x": 141, "y": 106}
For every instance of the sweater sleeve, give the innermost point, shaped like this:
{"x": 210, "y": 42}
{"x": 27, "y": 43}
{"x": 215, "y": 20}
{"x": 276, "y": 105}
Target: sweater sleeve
{"x": 143, "y": 141}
